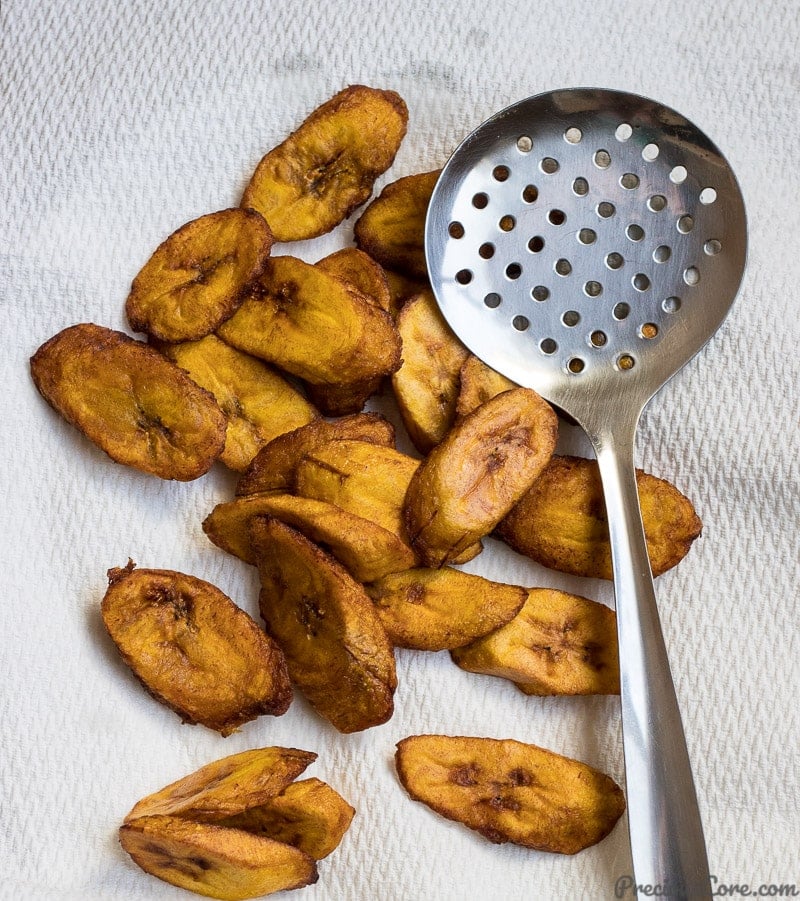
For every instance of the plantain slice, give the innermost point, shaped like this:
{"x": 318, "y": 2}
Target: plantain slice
{"x": 558, "y": 644}
{"x": 392, "y": 228}
{"x": 259, "y": 404}
{"x": 274, "y": 467}
{"x": 435, "y": 609}
{"x": 359, "y": 269}
{"x": 226, "y": 787}
{"x": 366, "y": 549}
{"x": 217, "y": 862}
{"x": 510, "y": 791}
{"x": 336, "y": 649}
{"x": 561, "y": 521}
{"x": 477, "y": 384}
{"x": 473, "y": 478}
{"x": 196, "y": 278}
{"x": 313, "y": 325}
{"x": 194, "y": 649}
{"x": 313, "y": 180}
{"x": 308, "y": 814}
{"x": 136, "y": 406}
{"x": 426, "y": 385}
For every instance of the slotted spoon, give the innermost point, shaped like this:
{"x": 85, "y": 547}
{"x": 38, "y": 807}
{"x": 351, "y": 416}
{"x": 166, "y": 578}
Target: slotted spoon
{"x": 587, "y": 243}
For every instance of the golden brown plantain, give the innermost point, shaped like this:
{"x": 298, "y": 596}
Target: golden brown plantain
{"x": 510, "y": 791}
{"x": 473, "y": 478}
{"x": 392, "y": 228}
{"x": 359, "y": 269}
{"x": 366, "y": 549}
{"x": 336, "y": 648}
{"x": 194, "y": 649}
{"x": 477, "y": 384}
{"x": 307, "y": 185}
{"x": 197, "y": 277}
{"x": 561, "y": 521}
{"x": 136, "y": 406}
{"x": 259, "y": 403}
{"x": 558, "y": 644}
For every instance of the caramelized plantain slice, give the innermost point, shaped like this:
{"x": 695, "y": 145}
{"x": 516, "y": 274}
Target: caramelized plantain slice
{"x": 226, "y": 787}
{"x": 308, "y": 814}
{"x": 475, "y": 476}
{"x": 313, "y": 325}
{"x": 344, "y": 400}
{"x": 194, "y": 649}
{"x": 336, "y": 648}
{"x": 136, "y": 406}
{"x": 196, "y": 279}
{"x": 217, "y": 862}
{"x": 477, "y": 384}
{"x": 558, "y": 644}
{"x": 392, "y": 228}
{"x": 510, "y": 791}
{"x": 426, "y": 385}
{"x": 561, "y": 521}
{"x": 355, "y": 267}
{"x": 365, "y": 548}
{"x": 434, "y": 609}
{"x": 259, "y": 404}
{"x": 313, "y": 180}
{"x": 273, "y": 468}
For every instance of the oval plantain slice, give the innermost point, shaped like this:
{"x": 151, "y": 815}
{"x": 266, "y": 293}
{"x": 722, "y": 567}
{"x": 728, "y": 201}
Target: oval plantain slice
{"x": 336, "y": 648}
{"x": 227, "y": 787}
{"x": 392, "y": 228}
{"x": 214, "y": 861}
{"x": 366, "y": 549}
{"x": 313, "y": 325}
{"x": 136, "y": 406}
{"x": 313, "y": 180}
{"x": 561, "y": 521}
{"x": 558, "y": 644}
{"x": 259, "y": 403}
{"x": 511, "y": 792}
{"x": 194, "y": 649}
{"x": 196, "y": 278}
{"x": 308, "y": 814}
{"x": 473, "y": 478}
{"x": 426, "y": 385}
{"x": 357, "y": 268}
{"x": 435, "y": 609}
{"x": 273, "y": 468}
{"x": 477, "y": 384}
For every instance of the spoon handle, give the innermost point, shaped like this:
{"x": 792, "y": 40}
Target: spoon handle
{"x": 666, "y": 833}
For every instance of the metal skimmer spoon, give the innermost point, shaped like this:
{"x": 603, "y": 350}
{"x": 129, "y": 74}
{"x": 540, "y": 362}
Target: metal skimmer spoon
{"x": 587, "y": 243}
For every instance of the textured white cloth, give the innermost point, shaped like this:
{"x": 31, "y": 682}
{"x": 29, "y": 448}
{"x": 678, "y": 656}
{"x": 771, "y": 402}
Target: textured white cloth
{"x": 123, "y": 120}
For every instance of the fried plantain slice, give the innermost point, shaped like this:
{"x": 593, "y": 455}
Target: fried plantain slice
{"x": 359, "y": 269}
{"x": 308, "y": 814}
{"x": 477, "y": 384}
{"x": 435, "y": 609}
{"x": 273, "y": 468}
{"x": 426, "y": 385}
{"x": 307, "y": 185}
{"x": 259, "y": 403}
{"x": 475, "y": 476}
{"x": 344, "y": 400}
{"x": 336, "y": 648}
{"x": 558, "y": 644}
{"x": 226, "y": 787}
{"x": 217, "y": 862}
{"x": 193, "y": 649}
{"x": 313, "y": 325}
{"x": 196, "y": 278}
{"x": 366, "y": 549}
{"x": 136, "y": 406}
{"x": 392, "y": 228}
{"x": 561, "y": 521}
{"x": 510, "y": 791}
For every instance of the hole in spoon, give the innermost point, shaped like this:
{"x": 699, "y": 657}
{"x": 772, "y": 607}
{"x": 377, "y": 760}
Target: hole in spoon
{"x": 524, "y": 144}
{"x": 536, "y": 244}
{"x": 548, "y": 346}
{"x": 573, "y": 135}
{"x": 501, "y": 173}
{"x": 540, "y": 293}
{"x": 598, "y": 339}
{"x": 576, "y": 365}
{"x": 623, "y": 132}
{"x": 455, "y": 230}
{"x": 549, "y": 165}
{"x": 463, "y": 276}
{"x": 625, "y": 362}
{"x": 480, "y": 200}
{"x": 580, "y": 187}
{"x": 520, "y": 323}
{"x": 621, "y": 311}
{"x": 492, "y": 300}
{"x": 530, "y": 193}
{"x": 507, "y": 223}
{"x": 486, "y": 251}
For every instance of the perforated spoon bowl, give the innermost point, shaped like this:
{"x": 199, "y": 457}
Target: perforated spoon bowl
{"x": 587, "y": 243}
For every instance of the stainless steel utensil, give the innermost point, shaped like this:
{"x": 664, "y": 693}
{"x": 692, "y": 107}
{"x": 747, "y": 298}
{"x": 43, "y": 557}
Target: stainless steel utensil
{"x": 587, "y": 243}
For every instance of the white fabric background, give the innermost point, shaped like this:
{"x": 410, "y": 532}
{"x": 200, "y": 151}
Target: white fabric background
{"x": 123, "y": 120}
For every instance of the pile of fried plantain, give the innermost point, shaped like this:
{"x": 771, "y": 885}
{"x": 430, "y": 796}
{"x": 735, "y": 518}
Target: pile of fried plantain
{"x": 239, "y": 827}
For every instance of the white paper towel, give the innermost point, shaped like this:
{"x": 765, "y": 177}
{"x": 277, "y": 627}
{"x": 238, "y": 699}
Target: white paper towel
{"x": 121, "y": 121}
